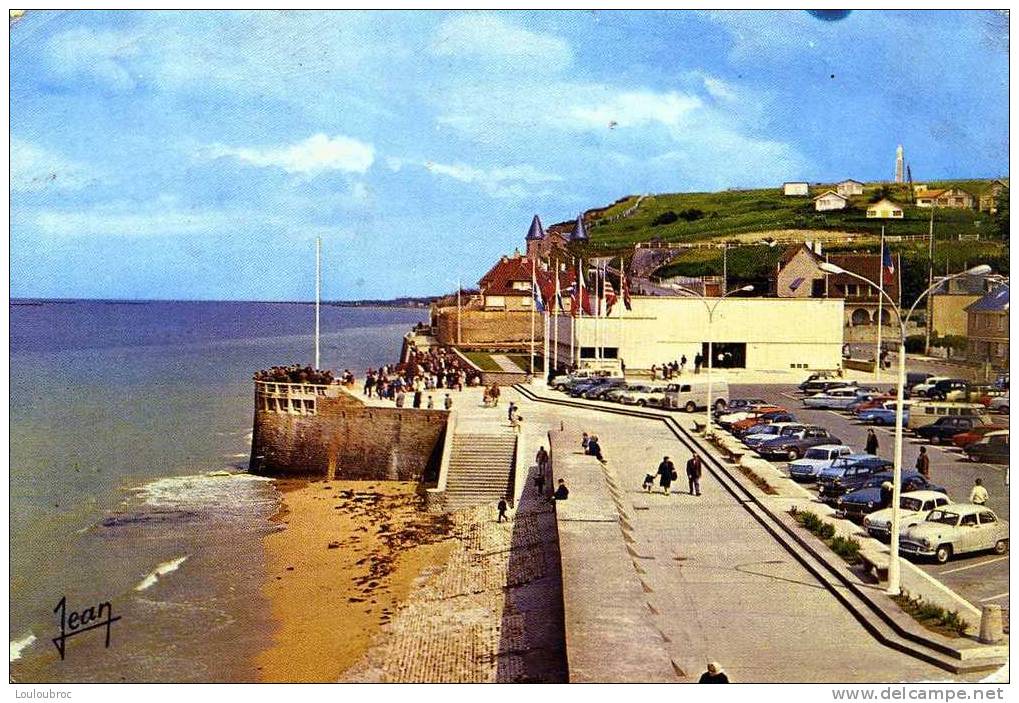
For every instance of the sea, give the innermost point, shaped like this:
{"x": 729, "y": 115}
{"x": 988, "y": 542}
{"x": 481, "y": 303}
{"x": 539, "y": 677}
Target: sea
{"x": 130, "y": 431}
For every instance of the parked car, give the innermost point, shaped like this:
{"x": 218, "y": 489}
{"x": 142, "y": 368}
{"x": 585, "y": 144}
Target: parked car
{"x": 953, "y": 389}
{"x": 737, "y": 404}
{"x": 643, "y": 394}
{"x": 614, "y": 394}
{"x": 768, "y": 432}
{"x": 944, "y": 428}
{"x": 876, "y": 401}
{"x": 578, "y": 389}
{"x": 964, "y": 439}
{"x": 729, "y": 419}
{"x": 815, "y": 460}
{"x": 999, "y": 404}
{"x": 819, "y": 376}
{"x": 822, "y": 385}
{"x": 743, "y": 427}
{"x": 921, "y": 389}
{"x": 859, "y": 502}
{"x": 913, "y": 507}
{"x": 847, "y": 474}
{"x": 885, "y": 415}
{"x": 792, "y": 448}
{"x": 834, "y": 399}
{"x": 992, "y": 448}
{"x": 915, "y": 378}
{"x": 604, "y": 386}
{"x": 693, "y": 394}
{"x": 955, "y": 529}
{"x": 560, "y": 382}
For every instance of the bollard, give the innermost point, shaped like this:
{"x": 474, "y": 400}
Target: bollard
{"x": 990, "y": 624}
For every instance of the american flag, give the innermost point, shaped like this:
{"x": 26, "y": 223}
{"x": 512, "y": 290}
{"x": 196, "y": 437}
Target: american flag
{"x": 887, "y": 266}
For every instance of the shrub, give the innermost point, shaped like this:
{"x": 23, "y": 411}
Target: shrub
{"x": 691, "y": 214}
{"x": 666, "y": 218}
{"x": 848, "y": 549}
{"x": 826, "y": 531}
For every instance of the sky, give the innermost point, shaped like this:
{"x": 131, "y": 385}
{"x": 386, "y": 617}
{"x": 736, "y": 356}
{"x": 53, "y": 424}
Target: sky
{"x": 197, "y": 155}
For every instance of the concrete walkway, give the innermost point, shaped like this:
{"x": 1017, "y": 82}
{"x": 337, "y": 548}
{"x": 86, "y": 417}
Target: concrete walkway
{"x": 713, "y": 583}
{"x": 507, "y": 364}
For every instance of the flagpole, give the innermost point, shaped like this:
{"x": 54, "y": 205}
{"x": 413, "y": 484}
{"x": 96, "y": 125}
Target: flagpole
{"x": 880, "y": 297}
{"x": 534, "y": 293}
{"x": 930, "y": 284}
{"x": 573, "y": 315}
{"x": 318, "y": 294}
{"x": 555, "y": 313}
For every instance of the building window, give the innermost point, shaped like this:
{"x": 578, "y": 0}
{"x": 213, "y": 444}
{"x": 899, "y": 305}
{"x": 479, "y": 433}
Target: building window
{"x": 1001, "y": 323}
{"x": 896, "y": 213}
{"x": 817, "y": 288}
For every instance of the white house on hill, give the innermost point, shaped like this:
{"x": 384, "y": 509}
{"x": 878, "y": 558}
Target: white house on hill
{"x": 796, "y": 188}
{"x": 849, "y": 187}
{"x": 884, "y": 209}
{"x": 830, "y": 200}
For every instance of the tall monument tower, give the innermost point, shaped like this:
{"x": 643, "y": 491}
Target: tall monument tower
{"x": 899, "y": 169}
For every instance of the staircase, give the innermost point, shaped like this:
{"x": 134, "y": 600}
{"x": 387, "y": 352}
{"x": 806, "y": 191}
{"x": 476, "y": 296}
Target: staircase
{"x": 480, "y": 469}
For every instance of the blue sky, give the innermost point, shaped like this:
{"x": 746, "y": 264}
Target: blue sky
{"x": 192, "y": 155}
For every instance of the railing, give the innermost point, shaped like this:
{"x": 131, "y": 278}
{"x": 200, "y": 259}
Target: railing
{"x": 292, "y": 398}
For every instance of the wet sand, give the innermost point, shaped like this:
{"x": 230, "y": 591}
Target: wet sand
{"x": 348, "y": 557}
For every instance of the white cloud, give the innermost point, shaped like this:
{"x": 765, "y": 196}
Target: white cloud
{"x": 100, "y": 55}
{"x": 315, "y": 155}
{"x": 719, "y": 89}
{"x": 493, "y": 38}
{"x": 34, "y": 168}
{"x": 637, "y": 109}
{"x": 502, "y": 182}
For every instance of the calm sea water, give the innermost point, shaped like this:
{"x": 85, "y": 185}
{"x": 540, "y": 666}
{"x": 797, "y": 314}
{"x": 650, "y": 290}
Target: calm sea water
{"x": 119, "y": 414}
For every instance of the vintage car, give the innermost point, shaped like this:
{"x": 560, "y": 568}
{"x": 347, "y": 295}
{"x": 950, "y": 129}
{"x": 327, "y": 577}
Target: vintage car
{"x": 778, "y": 429}
{"x": 834, "y": 399}
{"x": 815, "y": 460}
{"x": 729, "y": 419}
{"x": 884, "y": 415}
{"x": 643, "y": 394}
{"x": 964, "y": 439}
{"x": 848, "y": 474}
{"x": 913, "y": 507}
{"x": 738, "y": 404}
{"x": 944, "y": 428}
{"x": 822, "y": 385}
{"x": 793, "y": 447}
{"x": 999, "y": 404}
{"x": 955, "y": 529}
{"x": 865, "y": 500}
{"x": 745, "y": 427}
{"x": 992, "y": 448}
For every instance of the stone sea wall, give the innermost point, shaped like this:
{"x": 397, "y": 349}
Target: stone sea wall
{"x": 335, "y": 435}
{"x": 486, "y": 327}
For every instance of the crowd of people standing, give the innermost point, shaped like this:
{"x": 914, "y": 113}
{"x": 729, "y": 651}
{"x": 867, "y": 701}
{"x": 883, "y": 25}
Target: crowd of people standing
{"x": 424, "y": 371}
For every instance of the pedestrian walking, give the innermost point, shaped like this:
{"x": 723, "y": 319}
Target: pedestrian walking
{"x": 502, "y": 510}
{"x": 978, "y": 495}
{"x": 541, "y": 459}
{"x": 693, "y": 474}
{"x": 494, "y": 393}
{"x": 714, "y": 674}
{"x": 515, "y": 421}
{"x": 666, "y": 475}
{"x": 511, "y": 410}
{"x": 923, "y": 463}
{"x": 448, "y": 402}
{"x": 649, "y": 482}
{"x": 561, "y": 492}
{"x": 872, "y": 444}
{"x": 682, "y": 364}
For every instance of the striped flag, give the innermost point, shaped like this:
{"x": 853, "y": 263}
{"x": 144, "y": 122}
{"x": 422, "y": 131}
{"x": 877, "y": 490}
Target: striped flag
{"x": 623, "y": 285}
{"x": 887, "y": 265}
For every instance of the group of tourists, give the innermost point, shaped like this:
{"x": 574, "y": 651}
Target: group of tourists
{"x": 423, "y": 371}
{"x": 295, "y": 373}
{"x": 491, "y": 396}
{"x": 671, "y": 369}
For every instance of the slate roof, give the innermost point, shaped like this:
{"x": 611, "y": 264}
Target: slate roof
{"x": 995, "y": 301}
{"x": 868, "y": 266}
{"x": 579, "y": 232}
{"x": 536, "y": 232}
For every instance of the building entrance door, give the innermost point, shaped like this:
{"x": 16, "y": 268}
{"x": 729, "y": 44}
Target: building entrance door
{"x": 728, "y": 355}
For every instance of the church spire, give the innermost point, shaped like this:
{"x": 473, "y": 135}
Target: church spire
{"x": 536, "y": 232}
{"x": 579, "y": 233}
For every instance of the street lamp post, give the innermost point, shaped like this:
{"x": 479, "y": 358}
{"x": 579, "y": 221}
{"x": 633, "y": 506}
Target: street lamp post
{"x": 711, "y": 353}
{"x": 893, "y": 564}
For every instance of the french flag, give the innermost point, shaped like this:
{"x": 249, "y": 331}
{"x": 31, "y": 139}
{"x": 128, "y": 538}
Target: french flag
{"x": 887, "y": 266}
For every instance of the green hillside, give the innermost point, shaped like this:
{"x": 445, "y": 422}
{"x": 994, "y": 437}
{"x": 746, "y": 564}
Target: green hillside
{"x": 675, "y": 217}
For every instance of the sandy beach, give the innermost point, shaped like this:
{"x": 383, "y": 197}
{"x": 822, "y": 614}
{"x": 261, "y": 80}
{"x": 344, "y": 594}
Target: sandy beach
{"x": 347, "y": 559}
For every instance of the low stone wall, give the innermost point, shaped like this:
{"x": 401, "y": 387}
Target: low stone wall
{"x": 347, "y": 439}
{"x": 486, "y": 327}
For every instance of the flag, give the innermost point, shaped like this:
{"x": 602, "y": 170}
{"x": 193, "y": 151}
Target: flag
{"x": 539, "y": 304}
{"x": 558, "y": 300}
{"x": 610, "y": 296}
{"x": 623, "y": 285}
{"x": 887, "y": 265}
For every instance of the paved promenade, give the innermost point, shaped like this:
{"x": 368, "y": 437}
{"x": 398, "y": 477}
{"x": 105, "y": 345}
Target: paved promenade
{"x": 687, "y": 580}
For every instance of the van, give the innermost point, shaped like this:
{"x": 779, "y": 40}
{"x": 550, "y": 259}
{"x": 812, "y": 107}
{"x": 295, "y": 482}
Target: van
{"x": 926, "y": 412}
{"x": 693, "y": 395}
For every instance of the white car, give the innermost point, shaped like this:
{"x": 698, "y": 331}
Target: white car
{"x": 771, "y": 431}
{"x": 643, "y": 394}
{"x": 922, "y": 388}
{"x": 999, "y": 404}
{"x": 955, "y": 529}
{"x": 815, "y": 460}
{"x": 914, "y": 507}
{"x": 835, "y": 399}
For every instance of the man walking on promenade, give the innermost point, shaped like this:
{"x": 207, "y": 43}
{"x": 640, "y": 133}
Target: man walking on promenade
{"x": 871, "y": 447}
{"x": 923, "y": 463}
{"x": 494, "y": 394}
{"x": 666, "y": 474}
{"x": 541, "y": 459}
{"x": 693, "y": 474}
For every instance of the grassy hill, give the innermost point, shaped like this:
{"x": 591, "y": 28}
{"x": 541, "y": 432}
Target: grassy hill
{"x": 677, "y": 217}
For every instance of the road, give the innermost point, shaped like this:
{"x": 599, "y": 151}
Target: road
{"x": 980, "y": 578}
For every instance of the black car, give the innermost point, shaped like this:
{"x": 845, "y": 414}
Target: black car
{"x": 856, "y": 504}
{"x": 575, "y": 388}
{"x": 822, "y": 385}
{"x": 941, "y": 389}
{"x": 944, "y": 428}
{"x": 847, "y": 474}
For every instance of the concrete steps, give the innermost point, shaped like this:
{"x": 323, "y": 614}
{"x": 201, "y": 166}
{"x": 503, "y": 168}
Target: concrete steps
{"x": 480, "y": 469}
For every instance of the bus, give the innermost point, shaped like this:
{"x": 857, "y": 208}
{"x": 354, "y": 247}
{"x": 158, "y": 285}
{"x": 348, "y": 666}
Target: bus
{"x": 926, "y": 412}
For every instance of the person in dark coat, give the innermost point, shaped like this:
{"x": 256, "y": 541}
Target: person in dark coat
{"x": 417, "y": 399}
{"x": 872, "y": 445}
{"x": 923, "y": 463}
{"x": 502, "y": 510}
{"x": 562, "y": 492}
{"x": 714, "y": 674}
{"x": 693, "y": 474}
{"x": 594, "y": 448}
{"x": 666, "y": 473}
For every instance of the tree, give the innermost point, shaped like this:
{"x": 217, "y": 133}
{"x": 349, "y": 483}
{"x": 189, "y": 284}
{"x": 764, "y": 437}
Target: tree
{"x": 1001, "y": 216}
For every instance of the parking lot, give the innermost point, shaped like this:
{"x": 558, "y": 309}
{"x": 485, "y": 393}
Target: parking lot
{"x": 980, "y": 578}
